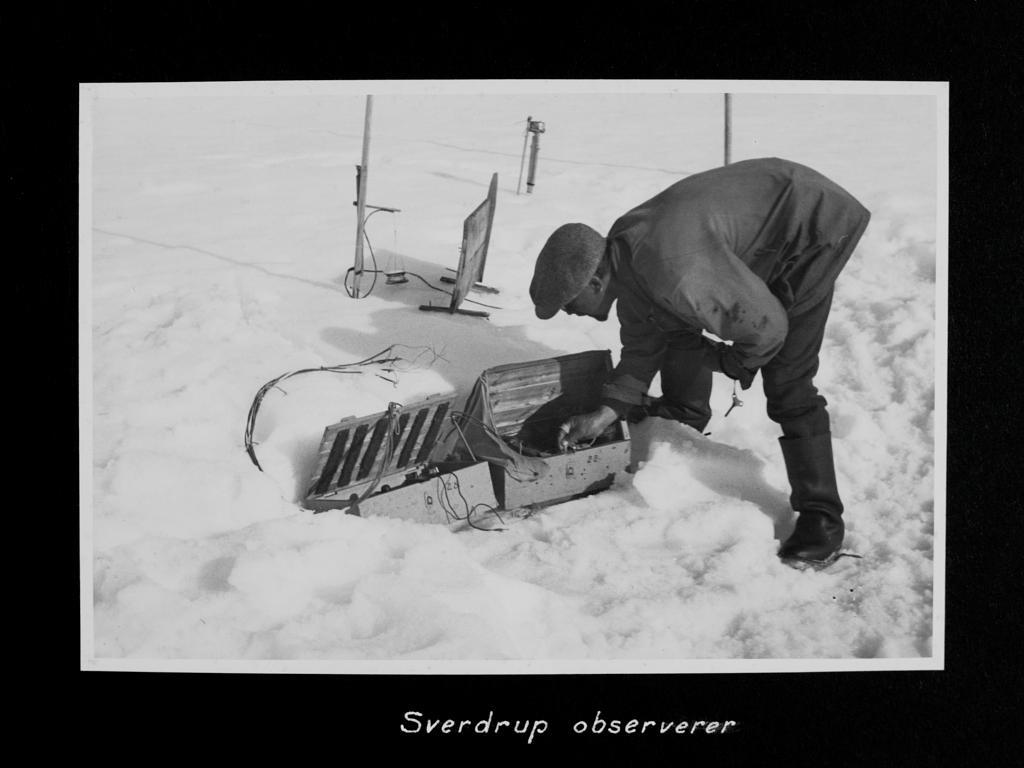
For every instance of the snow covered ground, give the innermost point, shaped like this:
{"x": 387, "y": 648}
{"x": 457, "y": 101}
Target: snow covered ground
{"x": 217, "y": 227}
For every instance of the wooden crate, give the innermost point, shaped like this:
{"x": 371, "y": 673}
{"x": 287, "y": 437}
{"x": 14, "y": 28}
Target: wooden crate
{"x": 528, "y": 401}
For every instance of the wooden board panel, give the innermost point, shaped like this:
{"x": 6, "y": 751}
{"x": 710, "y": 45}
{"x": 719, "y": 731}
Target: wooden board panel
{"x": 476, "y": 237}
{"x": 525, "y": 394}
{"x": 356, "y": 452}
{"x": 492, "y": 204}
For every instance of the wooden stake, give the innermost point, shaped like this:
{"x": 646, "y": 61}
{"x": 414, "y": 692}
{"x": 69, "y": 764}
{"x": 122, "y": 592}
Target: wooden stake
{"x": 364, "y": 176}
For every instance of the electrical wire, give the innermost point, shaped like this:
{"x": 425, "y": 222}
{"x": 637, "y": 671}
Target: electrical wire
{"x": 458, "y": 428}
{"x": 375, "y": 271}
{"x": 373, "y": 258}
{"x": 378, "y": 358}
{"x": 449, "y": 508}
{"x": 425, "y": 282}
{"x": 490, "y": 431}
{"x": 494, "y": 510}
{"x": 442, "y": 290}
{"x": 469, "y": 510}
{"x": 483, "y": 425}
{"x": 351, "y": 270}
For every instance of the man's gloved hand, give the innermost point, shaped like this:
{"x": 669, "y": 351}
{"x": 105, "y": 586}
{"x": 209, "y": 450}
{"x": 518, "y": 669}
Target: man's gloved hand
{"x": 585, "y": 428}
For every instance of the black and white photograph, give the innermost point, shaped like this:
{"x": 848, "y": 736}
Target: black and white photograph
{"x": 470, "y": 376}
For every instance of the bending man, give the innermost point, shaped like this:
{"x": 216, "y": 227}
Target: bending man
{"x": 750, "y": 253}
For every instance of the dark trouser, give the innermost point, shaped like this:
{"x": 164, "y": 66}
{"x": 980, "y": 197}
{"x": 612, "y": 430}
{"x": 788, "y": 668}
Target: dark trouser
{"x": 793, "y": 400}
{"x": 685, "y": 382}
{"x": 794, "y": 403}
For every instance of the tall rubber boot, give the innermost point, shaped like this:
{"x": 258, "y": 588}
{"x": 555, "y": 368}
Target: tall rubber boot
{"x": 812, "y": 476}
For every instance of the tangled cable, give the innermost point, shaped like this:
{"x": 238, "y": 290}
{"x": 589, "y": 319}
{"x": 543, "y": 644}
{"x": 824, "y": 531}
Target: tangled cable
{"x": 449, "y": 508}
{"x": 351, "y": 270}
{"x": 377, "y": 359}
{"x": 373, "y": 257}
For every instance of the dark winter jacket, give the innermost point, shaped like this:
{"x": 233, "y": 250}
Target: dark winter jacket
{"x": 734, "y": 251}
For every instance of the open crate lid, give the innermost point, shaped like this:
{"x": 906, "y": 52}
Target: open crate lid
{"x": 526, "y": 401}
{"x": 511, "y": 416}
{"x": 357, "y": 451}
{"x": 542, "y": 390}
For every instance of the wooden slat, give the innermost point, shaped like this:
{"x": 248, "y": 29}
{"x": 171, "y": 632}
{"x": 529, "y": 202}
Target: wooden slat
{"x": 353, "y": 455}
{"x": 373, "y": 447}
{"x": 415, "y": 433}
{"x": 377, "y": 467}
{"x": 333, "y": 461}
{"x": 521, "y": 376}
{"x": 578, "y": 386}
{"x": 362, "y": 455}
{"x": 584, "y": 363}
{"x": 503, "y": 402}
{"x": 403, "y": 422}
{"x": 435, "y": 426}
{"x": 538, "y": 392}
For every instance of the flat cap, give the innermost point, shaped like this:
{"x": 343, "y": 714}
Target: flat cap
{"x": 568, "y": 260}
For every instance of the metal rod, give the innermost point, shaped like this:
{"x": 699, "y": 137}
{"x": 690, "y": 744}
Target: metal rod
{"x": 522, "y": 160}
{"x": 378, "y": 207}
{"x": 728, "y": 128}
{"x": 364, "y": 177}
{"x": 531, "y": 174}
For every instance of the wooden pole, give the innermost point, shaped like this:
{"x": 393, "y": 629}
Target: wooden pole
{"x": 728, "y": 128}
{"x": 364, "y": 176}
